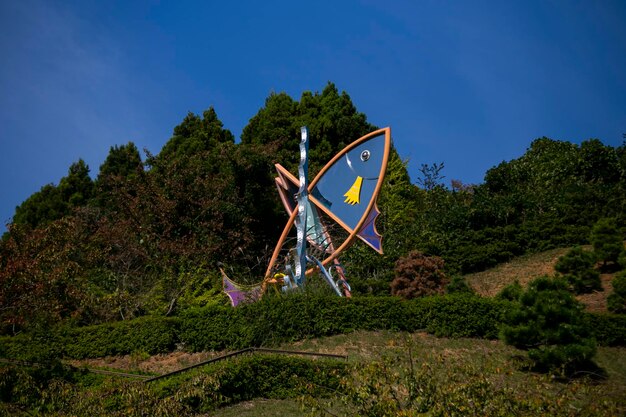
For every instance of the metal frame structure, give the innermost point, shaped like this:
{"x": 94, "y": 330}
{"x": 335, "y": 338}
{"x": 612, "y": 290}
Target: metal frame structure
{"x": 305, "y": 208}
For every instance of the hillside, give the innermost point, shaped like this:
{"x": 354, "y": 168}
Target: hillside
{"x": 453, "y": 363}
{"x": 474, "y": 376}
{"x": 144, "y": 237}
{"x": 526, "y": 268}
{"x": 487, "y": 283}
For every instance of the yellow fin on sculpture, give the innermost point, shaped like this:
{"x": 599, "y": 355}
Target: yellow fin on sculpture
{"x": 353, "y": 195}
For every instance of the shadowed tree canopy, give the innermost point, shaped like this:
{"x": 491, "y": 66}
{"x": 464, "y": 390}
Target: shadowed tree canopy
{"x": 121, "y": 165}
{"x": 331, "y": 117}
{"x": 51, "y": 203}
{"x": 195, "y": 135}
{"x": 122, "y": 161}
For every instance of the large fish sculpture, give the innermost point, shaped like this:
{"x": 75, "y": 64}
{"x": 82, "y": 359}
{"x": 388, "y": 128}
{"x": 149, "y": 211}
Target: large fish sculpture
{"x": 344, "y": 192}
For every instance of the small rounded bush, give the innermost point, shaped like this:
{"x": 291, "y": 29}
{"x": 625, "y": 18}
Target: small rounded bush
{"x": 616, "y": 302}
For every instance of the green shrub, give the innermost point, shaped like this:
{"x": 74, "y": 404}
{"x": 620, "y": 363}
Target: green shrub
{"x": 459, "y": 284}
{"x": 578, "y": 267}
{"x": 584, "y": 282}
{"x": 150, "y": 335}
{"x": 276, "y": 320}
{"x": 462, "y": 315}
{"x": 575, "y": 261}
{"x": 296, "y": 317}
{"x": 549, "y": 323}
{"x": 200, "y": 390}
{"x": 608, "y": 329}
{"x": 213, "y": 328}
{"x": 262, "y": 376}
{"x": 617, "y": 300}
{"x": 607, "y": 240}
{"x": 511, "y": 292}
{"x": 621, "y": 260}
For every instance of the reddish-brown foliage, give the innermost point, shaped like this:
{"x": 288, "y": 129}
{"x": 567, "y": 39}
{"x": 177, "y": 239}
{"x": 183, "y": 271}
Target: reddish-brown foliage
{"x": 418, "y": 275}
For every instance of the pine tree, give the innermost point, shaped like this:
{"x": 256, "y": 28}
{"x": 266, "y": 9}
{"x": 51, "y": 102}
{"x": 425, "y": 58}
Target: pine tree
{"x": 577, "y": 265}
{"x": 607, "y": 240}
{"x": 548, "y": 322}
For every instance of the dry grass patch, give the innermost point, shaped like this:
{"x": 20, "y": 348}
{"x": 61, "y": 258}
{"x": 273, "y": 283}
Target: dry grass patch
{"x": 524, "y": 269}
{"x": 157, "y": 364}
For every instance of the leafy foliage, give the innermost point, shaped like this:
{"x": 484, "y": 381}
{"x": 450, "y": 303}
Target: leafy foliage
{"x": 617, "y": 300}
{"x": 511, "y": 292}
{"x": 458, "y": 284}
{"x": 621, "y": 260}
{"x": 418, "y": 275}
{"x": 206, "y": 389}
{"x": 575, "y": 261}
{"x": 607, "y": 240}
{"x": 54, "y": 202}
{"x": 407, "y": 383}
{"x": 264, "y": 324}
{"x": 331, "y": 117}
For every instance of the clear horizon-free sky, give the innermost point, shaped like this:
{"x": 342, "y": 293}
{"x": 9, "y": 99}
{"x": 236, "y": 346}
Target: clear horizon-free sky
{"x": 469, "y": 84}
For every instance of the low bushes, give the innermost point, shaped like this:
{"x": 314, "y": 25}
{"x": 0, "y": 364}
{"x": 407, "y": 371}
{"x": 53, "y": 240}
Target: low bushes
{"x": 257, "y": 376}
{"x": 296, "y": 317}
{"x": 460, "y": 315}
{"x": 276, "y": 320}
{"x": 607, "y": 329}
{"x": 150, "y": 335}
{"x": 201, "y": 390}
{"x": 617, "y": 301}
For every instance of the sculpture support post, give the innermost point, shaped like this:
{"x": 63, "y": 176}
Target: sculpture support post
{"x": 303, "y": 203}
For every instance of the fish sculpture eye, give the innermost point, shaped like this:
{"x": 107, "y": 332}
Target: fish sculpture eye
{"x": 365, "y": 155}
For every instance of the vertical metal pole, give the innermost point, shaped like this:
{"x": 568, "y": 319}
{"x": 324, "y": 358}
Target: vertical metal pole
{"x": 303, "y": 203}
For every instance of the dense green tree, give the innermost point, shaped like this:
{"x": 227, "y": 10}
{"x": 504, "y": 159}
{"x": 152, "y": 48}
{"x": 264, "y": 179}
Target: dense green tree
{"x": 549, "y": 324}
{"x": 122, "y": 161}
{"x": 77, "y": 187}
{"x": 122, "y": 164}
{"x": 577, "y": 265}
{"x": 511, "y": 292}
{"x": 52, "y": 203}
{"x": 195, "y": 135}
{"x": 575, "y": 260}
{"x": 273, "y": 122}
{"x": 331, "y": 117}
{"x": 41, "y": 207}
{"x": 549, "y": 197}
{"x": 607, "y": 240}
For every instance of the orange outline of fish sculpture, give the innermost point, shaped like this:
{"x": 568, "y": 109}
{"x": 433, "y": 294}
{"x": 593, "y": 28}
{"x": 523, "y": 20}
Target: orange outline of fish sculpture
{"x": 367, "y": 220}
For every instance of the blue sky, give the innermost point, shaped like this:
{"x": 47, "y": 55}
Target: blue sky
{"x": 469, "y": 84}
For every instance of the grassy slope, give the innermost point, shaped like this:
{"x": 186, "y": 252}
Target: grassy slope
{"x": 370, "y": 346}
{"x": 451, "y": 359}
{"x": 526, "y": 268}
{"x": 454, "y": 360}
